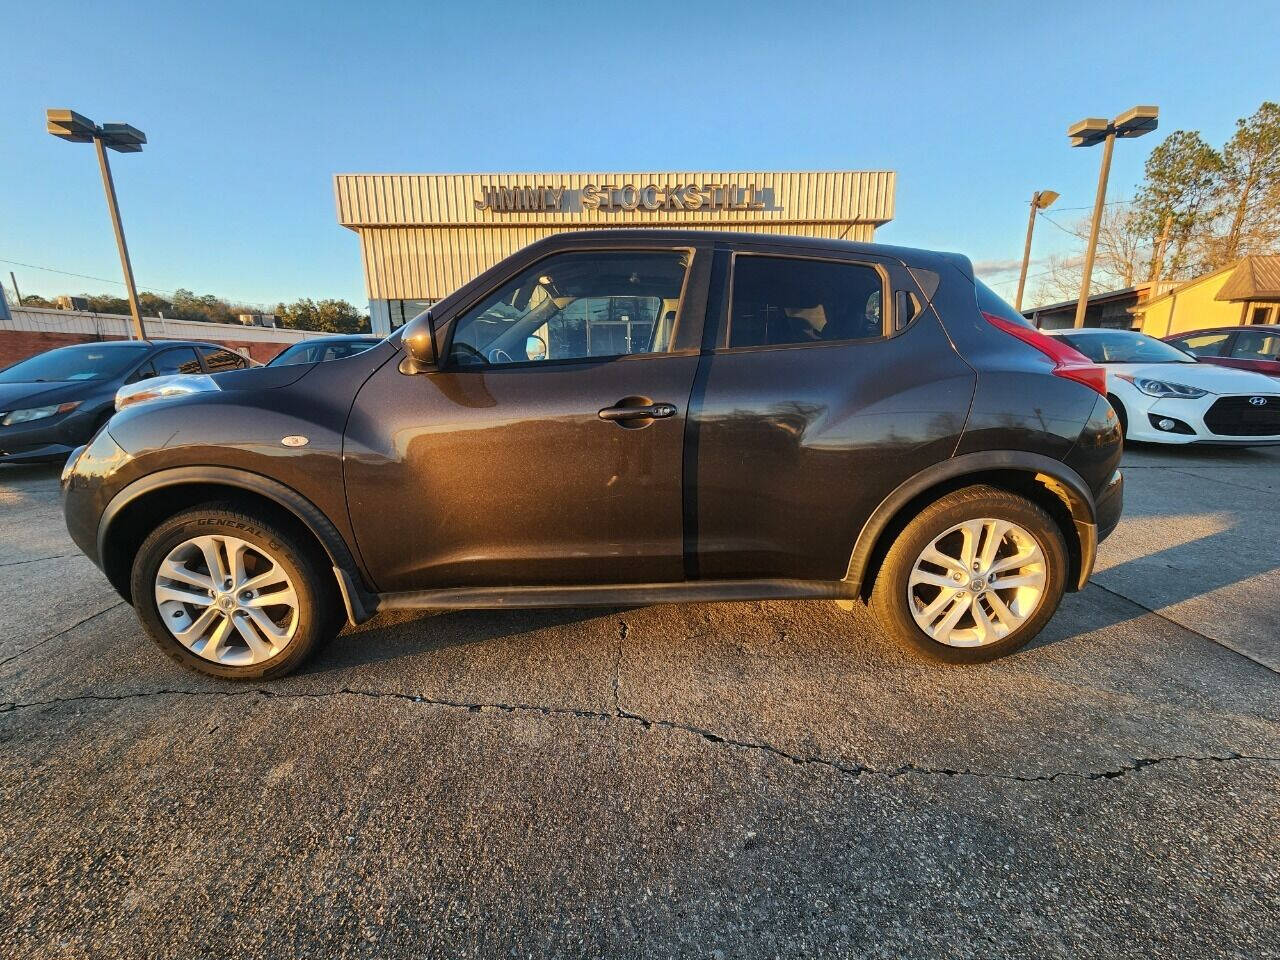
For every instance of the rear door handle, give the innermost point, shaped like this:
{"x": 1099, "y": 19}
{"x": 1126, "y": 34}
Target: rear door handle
{"x": 652, "y": 411}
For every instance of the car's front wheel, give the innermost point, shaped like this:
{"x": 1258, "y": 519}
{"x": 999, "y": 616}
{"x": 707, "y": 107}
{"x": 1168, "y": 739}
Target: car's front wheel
{"x": 231, "y": 594}
{"x": 974, "y": 576}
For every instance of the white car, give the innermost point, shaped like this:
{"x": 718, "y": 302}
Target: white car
{"x": 1165, "y": 395}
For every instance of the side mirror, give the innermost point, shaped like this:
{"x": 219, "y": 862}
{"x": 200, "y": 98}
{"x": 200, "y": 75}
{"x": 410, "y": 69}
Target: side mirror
{"x": 419, "y": 342}
{"x": 535, "y": 348}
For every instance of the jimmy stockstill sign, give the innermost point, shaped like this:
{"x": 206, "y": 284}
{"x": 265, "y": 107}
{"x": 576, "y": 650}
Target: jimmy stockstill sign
{"x": 610, "y": 197}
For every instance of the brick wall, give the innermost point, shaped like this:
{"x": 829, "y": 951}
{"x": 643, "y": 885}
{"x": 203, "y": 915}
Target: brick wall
{"x": 17, "y": 345}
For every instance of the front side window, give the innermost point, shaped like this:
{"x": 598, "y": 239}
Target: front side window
{"x": 1204, "y": 344}
{"x": 784, "y": 300}
{"x": 1256, "y": 345}
{"x": 574, "y": 306}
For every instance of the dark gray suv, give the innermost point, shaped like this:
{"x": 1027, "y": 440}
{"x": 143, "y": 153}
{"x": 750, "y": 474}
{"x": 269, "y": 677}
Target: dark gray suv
{"x": 624, "y": 417}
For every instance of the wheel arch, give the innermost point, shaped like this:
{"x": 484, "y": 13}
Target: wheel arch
{"x": 136, "y": 510}
{"x": 1049, "y": 483}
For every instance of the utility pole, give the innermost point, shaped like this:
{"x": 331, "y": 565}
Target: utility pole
{"x": 1039, "y": 201}
{"x": 74, "y": 128}
{"x": 1099, "y": 202}
{"x": 16, "y": 292}
{"x": 108, "y": 184}
{"x": 1089, "y": 132}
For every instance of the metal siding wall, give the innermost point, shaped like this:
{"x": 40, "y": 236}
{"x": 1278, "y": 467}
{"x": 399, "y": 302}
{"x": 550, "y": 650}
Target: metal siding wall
{"x": 421, "y": 236}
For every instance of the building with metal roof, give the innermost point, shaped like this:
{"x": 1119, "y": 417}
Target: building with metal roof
{"x": 424, "y": 235}
{"x": 1245, "y": 292}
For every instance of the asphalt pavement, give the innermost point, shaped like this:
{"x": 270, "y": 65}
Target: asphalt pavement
{"x": 728, "y": 780}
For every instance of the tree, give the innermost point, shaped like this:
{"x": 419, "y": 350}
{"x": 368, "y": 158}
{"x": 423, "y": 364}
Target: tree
{"x": 1123, "y": 254}
{"x": 325, "y": 316}
{"x": 1183, "y": 177}
{"x": 1249, "y": 191}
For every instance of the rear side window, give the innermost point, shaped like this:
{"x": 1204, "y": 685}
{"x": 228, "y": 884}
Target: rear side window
{"x": 989, "y": 302}
{"x": 218, "y": 359}
{"x": 785, "y": 300}
{"x": 177, "y": 360}
{"x": 1256, "y": 345}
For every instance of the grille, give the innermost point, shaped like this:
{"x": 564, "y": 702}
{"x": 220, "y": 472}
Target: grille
{"x": 1237, "y": 417}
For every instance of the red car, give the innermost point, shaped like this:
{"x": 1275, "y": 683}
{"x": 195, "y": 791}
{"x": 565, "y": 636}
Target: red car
{"x": 1249, "y": 348}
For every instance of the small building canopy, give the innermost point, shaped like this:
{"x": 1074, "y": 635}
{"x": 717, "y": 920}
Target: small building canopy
{"x": 1254, "y": 278}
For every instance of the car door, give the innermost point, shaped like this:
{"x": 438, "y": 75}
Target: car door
{"x": 829, "y": 382}
{"x": 547, "y": 448}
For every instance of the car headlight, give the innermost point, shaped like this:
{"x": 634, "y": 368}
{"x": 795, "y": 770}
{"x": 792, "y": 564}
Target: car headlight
{"x": 37, "y": 413}
{"x": 161, "y": 388}
{"x": 1164, "y": 388}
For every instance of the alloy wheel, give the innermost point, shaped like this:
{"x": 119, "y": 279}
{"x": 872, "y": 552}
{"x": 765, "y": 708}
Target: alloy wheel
{"x": 977, "y": 582}
{"x": 226, "y": 600}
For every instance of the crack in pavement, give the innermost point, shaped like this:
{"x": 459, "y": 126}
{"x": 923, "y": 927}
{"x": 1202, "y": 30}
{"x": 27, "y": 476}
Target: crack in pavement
{"x": 849, "y": 770}
{"x": 55, "y": 636}
{"x": 617, "y": 666}
{"x": 56, "y": 556}
{"x": 1229, "y": 483}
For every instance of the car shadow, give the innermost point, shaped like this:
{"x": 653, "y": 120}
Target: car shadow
{"x": 405, "y": 634}
{"x": 10, "y": 472}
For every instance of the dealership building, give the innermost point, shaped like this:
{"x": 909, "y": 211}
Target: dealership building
{"x": 424, "y": 235}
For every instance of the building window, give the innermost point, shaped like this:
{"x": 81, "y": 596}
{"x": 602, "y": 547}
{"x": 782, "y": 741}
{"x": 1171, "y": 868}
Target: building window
{"x": 402, "y": 311}
{"x": 1260, "y": 315}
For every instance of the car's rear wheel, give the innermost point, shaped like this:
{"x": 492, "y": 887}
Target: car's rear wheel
{"x": 974, "y": 576}
{"x": 231, "y": 594}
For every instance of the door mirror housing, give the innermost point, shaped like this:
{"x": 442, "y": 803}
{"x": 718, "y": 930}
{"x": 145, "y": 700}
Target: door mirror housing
{"x": 535, "y": 348}
{"x": 419, "y": 343}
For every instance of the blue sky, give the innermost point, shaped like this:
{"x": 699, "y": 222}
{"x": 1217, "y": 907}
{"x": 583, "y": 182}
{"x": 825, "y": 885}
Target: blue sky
{"x": 250, "y": 108}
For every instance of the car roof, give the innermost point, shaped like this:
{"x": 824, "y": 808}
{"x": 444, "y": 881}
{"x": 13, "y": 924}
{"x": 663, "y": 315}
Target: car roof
{"x": 118, "y": 344}
{"x": 343, "y": 337}
{"x": 912, "y": 255}
{"x": 1093, "y": 331}
{"x": 1226, "y": 330}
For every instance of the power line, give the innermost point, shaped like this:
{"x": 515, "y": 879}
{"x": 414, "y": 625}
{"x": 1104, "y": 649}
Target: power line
{"x": 1109, "y": 203}
{"x": 1059, "y": 226}
{"x": 119, "y": 283}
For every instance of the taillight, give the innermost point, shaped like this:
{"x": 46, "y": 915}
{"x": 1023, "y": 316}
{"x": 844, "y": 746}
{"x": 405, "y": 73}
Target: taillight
{"x": 1068, "y": 362}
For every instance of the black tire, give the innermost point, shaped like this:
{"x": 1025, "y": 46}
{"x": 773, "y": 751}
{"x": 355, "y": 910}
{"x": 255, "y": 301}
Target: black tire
{"x": 889, "y": 598}
{"x": 318, "y": 609}
{"x": 1121, "y": 415}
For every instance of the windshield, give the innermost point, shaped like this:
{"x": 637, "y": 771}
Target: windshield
{"x": 1123, "y": 346}
{"x": 87, "y": 362}
{"x": 313, "y": 351}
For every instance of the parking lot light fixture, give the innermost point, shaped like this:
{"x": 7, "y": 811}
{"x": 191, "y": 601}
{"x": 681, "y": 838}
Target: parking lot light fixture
{"x": 123, "y": 138}
{"x": 1089, "y": 132}
{"x": 1039, "y": 201}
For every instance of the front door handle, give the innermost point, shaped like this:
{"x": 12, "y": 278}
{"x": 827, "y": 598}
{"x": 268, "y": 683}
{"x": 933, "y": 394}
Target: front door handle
{"x": 627, "y": 414}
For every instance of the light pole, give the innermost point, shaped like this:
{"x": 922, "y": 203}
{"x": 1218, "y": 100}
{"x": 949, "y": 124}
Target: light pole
{"x": 1089, "y": 132}
{"x": 1039, "y": 201}
{"x": 71, "y": 126}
